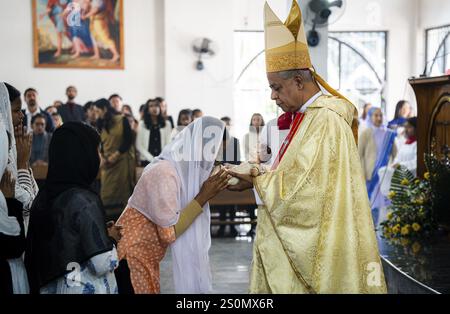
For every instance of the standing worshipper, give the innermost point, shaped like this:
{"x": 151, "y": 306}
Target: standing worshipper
{"x": 31, "y": 99}
{"x": 403, "y": 111}
{"x": 57, "y": 120}
{"x": 376, "y": 149}
{"x": 127, "y": 110}
{"x": 13, "y": 279}
{"x": 251, "y": 139}
{"x": 184, "y": 118}
{"x": 71, "y": 111}
{"x": 91, "y": 114}
{"x": 67, "y": 255}
{"x": 116, "y": 102}
{"x": 118, "y": 171}
{"x": 41, "y": 142}
{"x": 153, "y": 133}
{"x": 364, "y": 119}
{"x": 406, "y": 157}
{"x": 174, "y": 211}
{"x": 163, "y": 105}
{"x": 315, "y": 234}
{"x": 19, "y": 154}
{"x": 197, "y": 113}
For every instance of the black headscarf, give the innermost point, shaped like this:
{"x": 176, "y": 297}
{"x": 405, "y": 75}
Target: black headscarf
{"x": 67, "y": 222}
{"x": 73, "y": 158}
{"x": 12, "y": 91}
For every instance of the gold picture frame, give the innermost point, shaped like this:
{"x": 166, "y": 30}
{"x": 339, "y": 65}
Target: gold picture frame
{"x": 82, "y": 34}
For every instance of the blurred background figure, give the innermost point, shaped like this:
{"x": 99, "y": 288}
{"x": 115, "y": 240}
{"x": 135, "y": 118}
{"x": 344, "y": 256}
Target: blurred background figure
{"x": 71, "y": 111}
{"x": 32, "y": 101}
{"x": 153, "y": 133}
{"x": 376, "y": 149}
{"x": 118, "y": 168}
{"x": 185, "y": 117}
{"x": 164, "y": 111}
{"x": 41, "y": 142}
{"x": 57, "y": 120}
{"x": 363, "y": 120}
{"x": 197, "y": 113}
{"x": 116, "y": 102}
{"x": 251, "y": 139}
{"x": 403, "y": 111}
{"x": 91, "y": 114}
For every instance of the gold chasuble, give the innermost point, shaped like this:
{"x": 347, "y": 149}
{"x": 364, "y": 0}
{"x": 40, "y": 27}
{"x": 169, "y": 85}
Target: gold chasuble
{"x": 315, "y": 232}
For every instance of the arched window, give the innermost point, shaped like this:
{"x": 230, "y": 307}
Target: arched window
{"x": 437, "y": 55}
{"x": 357, "y": 65}
{"x": 251, "y": 89}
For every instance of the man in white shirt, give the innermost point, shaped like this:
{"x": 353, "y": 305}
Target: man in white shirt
{"x": 31, "y": 98}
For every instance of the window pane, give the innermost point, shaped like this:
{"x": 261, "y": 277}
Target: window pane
{"x": 363, "y": 67}
{"x": 437, "y": 51}
{"x": 251, "y": 89}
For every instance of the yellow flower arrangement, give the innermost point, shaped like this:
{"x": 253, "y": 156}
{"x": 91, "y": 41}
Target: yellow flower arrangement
{"x": 426, "y": 175}
{"x": 404, "y": 241}
{"x": 404, "y": 182}
{"x": 416, "y": 227}
{"x": 396, "y": 229}
{"x": 416, "y": 247}
{"x": 389, "y": 216}
{"x": 391, "y": 194}
{"x": 417, "y": 181}
{"x": 405, "y": 230}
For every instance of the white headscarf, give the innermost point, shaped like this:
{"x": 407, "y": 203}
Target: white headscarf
{"x": 192, "y": 153}
{"x": 23, "y": 195}
{"x": 8, "y": 225}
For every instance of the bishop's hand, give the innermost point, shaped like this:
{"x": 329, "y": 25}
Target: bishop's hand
{"x": 245, "y": 182}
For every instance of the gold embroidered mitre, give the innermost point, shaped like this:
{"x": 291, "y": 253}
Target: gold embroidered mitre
{"x": 286, "y": 45}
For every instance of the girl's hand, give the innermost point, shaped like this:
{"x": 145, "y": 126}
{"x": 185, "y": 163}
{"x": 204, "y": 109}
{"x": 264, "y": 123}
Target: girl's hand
{"x": 23, "y": 143}
{"x": 213, "y": 186}
{"x": 8, "y": 185}
{"x": 114, "y": 231}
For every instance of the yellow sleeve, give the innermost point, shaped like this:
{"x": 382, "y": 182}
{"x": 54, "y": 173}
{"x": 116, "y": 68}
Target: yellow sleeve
{"x": 187, "y": 217}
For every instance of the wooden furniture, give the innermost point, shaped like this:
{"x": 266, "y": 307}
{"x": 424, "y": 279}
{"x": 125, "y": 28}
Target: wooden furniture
{"x": 433, "y": 115}
{"x": 240, "y": 201}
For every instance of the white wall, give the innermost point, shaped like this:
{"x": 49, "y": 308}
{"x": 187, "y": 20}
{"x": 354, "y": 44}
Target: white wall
{"x": 211, "y": 89}
{"x": 142, "y": 78}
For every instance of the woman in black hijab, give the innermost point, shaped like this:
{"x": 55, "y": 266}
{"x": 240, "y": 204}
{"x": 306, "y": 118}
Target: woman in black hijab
{"x": 69, "y": 249}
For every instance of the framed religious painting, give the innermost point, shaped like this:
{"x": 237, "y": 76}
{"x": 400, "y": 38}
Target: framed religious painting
{"x": 78, "y": 34}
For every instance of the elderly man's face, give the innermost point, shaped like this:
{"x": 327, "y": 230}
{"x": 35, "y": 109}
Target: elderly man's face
{"x": 286, "y": 92}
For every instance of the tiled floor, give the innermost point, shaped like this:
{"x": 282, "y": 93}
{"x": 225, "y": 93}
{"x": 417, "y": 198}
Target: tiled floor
{"x": 230, "y": 264}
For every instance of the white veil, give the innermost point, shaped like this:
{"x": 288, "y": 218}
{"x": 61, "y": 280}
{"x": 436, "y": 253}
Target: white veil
{"x": 24, "y": 195}
{"x": 8, "y": 225}
{"x": 192, "y": 153}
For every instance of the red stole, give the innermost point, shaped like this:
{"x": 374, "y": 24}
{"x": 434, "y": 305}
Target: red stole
{"x": 295, "y": 125}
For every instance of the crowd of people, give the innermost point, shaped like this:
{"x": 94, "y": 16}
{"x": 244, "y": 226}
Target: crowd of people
{"x": 71, "y": 242}
{"x": 383, "y": 147}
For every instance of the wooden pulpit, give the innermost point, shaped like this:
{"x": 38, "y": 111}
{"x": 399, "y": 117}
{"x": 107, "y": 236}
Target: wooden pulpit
{"x": 433, "y": 116}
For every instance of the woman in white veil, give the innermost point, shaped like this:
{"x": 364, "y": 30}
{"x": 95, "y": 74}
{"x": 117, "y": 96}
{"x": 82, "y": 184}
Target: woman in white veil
{"x": 26, "y": 187}
{"x": 12, "y": 233}
{"x": 169, "y": 206}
